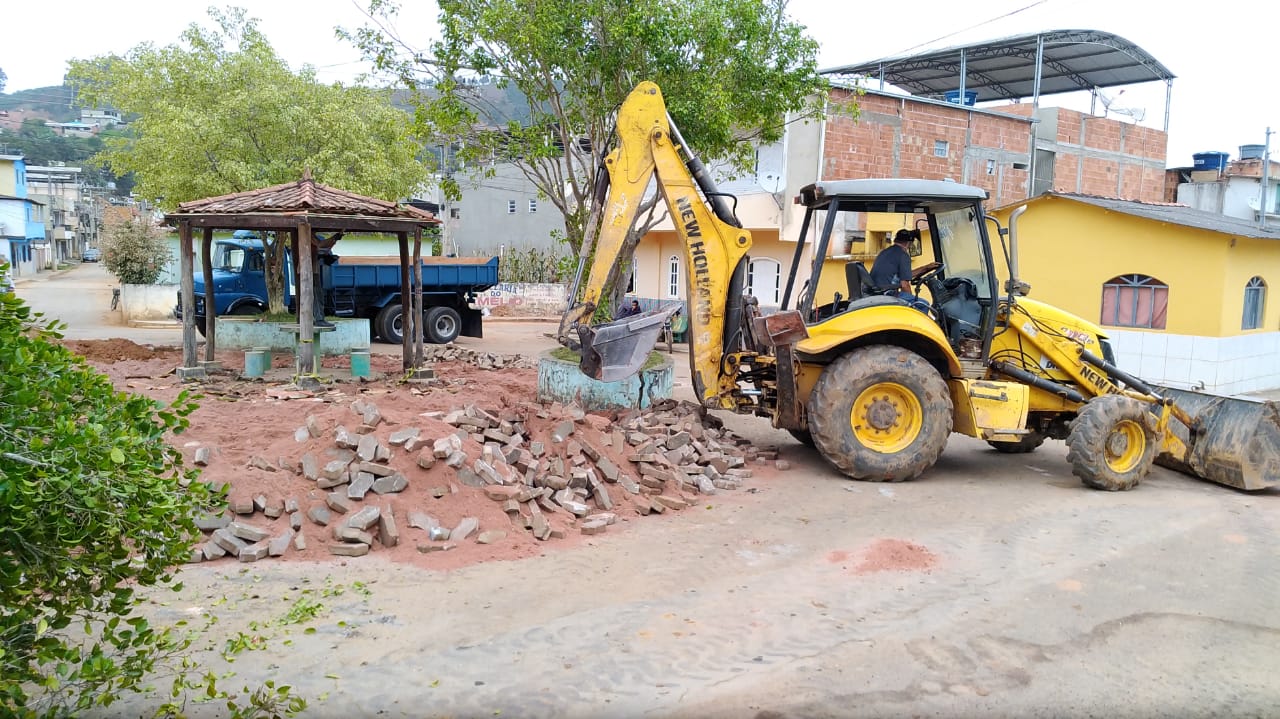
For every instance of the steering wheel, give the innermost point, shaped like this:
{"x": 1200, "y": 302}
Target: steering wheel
{"x": 924, "y": 273}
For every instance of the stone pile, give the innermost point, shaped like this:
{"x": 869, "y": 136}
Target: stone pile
{"x": 483, "y": 360}
{"x": 553, "y": 469}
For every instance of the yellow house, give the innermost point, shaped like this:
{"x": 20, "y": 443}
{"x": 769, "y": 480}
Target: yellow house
{"x": 1184, "y": 294}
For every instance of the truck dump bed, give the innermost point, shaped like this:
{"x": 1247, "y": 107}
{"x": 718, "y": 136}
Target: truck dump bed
{"x": 439, "y": 274}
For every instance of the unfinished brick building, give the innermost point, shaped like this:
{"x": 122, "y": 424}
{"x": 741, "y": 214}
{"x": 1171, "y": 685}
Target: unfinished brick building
{"x": 938, "y": 132}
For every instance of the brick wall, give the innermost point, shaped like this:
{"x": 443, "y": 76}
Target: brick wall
{"x": 1108, "y": 157}
{"x": 896, "y": 137}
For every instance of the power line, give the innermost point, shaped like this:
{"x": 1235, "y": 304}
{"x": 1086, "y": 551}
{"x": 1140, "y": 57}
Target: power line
{"x": 972, "y": 27}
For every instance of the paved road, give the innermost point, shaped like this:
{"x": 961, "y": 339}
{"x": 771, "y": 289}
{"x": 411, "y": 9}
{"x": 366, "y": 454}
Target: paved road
{"x": 1043, "y": 599}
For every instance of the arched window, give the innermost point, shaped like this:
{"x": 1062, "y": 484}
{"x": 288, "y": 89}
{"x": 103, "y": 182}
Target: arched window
{"x": 1255, "y": 299}
{"x": 673, "y": 277}
{"x": 1135, "y": 301}
{"x": 764, "y": 280}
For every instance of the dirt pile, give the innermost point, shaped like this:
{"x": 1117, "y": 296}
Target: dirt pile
{"x": 350, "y": 480}
{"x": 118, "y": 350}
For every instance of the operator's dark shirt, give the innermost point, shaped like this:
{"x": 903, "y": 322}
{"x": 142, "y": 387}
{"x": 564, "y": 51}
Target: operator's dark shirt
{"x": 892, "y": 265}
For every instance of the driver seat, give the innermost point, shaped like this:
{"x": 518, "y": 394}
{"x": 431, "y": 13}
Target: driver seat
{"x": 858, "y": 278}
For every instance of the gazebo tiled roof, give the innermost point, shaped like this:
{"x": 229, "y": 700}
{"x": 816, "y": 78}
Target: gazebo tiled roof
{"x": 303, "y": 196}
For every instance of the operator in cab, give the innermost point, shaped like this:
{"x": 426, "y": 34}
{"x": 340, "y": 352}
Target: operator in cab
{"x": 892, "y": 268}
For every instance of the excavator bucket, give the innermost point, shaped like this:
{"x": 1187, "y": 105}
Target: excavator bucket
{"x": 619, "y": 349}
{"x": 1236, "y": 443}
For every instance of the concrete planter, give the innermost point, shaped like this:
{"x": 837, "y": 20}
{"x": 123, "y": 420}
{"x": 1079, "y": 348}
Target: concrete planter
{"x": 248, "y": 332}
{"x": 148, "y": 302}
{"x": 561, "y": 381}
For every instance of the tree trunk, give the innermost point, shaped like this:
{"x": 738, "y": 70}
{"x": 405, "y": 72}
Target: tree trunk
{"x": 274, "y": 248}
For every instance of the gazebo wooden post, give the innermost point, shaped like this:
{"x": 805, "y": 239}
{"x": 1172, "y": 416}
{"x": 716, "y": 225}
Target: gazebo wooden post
{"x": 210, "y": 310}
{"x": 407, "y": 320}
{"x": 186, "y": 264}
{"x": 306, "y": 293}
{"x": 417, "y": 297}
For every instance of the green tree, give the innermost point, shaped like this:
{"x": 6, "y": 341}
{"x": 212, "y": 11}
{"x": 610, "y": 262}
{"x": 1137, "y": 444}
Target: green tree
{"x": 135, "y": 251}
{"x": 732, "y": 72}
{"x": 220, "y": 112}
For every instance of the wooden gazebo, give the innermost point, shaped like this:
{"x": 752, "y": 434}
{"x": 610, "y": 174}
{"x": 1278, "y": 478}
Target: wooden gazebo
{"x": 299, "y": 209}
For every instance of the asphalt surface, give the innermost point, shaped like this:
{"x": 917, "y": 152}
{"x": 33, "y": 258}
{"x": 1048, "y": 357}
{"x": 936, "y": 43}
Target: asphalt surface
{"x": 1041, "y": 598}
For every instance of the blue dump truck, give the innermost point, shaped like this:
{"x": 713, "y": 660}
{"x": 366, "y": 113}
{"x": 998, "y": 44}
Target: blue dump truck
{"x": 367, "y": 287}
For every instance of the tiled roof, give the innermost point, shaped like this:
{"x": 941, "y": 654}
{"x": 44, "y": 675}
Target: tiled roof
{"x": 305, "y": 195}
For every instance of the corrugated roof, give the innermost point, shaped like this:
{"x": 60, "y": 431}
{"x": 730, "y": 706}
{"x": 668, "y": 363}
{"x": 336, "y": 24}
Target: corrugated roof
{"x": 305, "y": 195}
{"x": 1176, "y": 215}
{"x": 1006, "y": 69}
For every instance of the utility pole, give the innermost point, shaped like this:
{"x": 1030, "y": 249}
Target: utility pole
{"x": 1266, "y": 182}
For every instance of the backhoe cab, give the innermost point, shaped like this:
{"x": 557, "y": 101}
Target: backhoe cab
{"x": 876, "y": 383}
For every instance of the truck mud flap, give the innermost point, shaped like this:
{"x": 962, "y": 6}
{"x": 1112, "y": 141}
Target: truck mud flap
{"x": 1237, "y": 442}
{"x": 472, "y": 322}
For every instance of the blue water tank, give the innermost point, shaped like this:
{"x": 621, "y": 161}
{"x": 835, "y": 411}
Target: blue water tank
{"x": 970, "y": 97}
{"x": 1210, "y": 160}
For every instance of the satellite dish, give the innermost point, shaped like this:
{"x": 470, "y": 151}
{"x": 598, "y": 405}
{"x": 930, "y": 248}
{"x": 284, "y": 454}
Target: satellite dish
{"x": 1108, "y": 105}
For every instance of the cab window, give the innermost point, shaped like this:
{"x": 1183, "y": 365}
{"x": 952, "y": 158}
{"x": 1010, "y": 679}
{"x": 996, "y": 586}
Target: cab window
{"x": 963, "y": 252}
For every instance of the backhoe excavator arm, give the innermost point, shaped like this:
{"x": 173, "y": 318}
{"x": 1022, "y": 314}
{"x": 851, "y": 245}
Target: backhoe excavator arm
{"x": 714, "y": 251}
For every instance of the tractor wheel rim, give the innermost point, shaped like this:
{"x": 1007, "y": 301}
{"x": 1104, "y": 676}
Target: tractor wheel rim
{"x": 1125, "y": 446}
{"x": 886, "y": 417}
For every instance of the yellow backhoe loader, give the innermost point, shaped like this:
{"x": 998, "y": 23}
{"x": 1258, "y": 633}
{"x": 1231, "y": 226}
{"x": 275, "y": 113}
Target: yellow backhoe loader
{"x": 872, "y": 381}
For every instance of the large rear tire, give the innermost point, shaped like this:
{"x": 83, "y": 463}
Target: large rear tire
{"x": 1028, "y": 443}
{"x": 880, "y": 414}
{"x": 443, "y": 325}
{"x": 390, "y": 324}
{"x": 1112, "y": 443}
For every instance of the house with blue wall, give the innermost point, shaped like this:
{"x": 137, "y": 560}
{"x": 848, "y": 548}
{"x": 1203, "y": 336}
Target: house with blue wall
{"x": 21, "y": 218}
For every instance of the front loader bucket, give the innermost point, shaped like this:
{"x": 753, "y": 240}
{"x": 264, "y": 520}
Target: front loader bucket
{"x": 1237, "y": 442}
{"x": 619, "y": 349}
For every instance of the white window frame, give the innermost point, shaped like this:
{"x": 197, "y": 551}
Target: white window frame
{"x": 511, "y": 207}
{"x": 773, "y": 297}
{"x": 533, "y": 205}
{"x": 1255, "y": 302}
{"x": 941, "y": 148}
{"x": 673, "y": 277}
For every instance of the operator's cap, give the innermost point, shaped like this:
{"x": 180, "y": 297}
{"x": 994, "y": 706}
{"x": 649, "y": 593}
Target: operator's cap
{"x": 905, "y": 235}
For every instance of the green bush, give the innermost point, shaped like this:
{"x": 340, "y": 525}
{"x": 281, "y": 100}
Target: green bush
{"x": 94, "y": 504}
{"x": 135, "y": 251}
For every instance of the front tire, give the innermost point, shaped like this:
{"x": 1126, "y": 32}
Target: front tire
{"x": 880, "y": 414}
{"x": 1112, "y": 443}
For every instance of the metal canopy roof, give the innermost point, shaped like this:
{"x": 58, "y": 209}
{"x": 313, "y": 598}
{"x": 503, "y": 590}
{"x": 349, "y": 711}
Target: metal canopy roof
{"x": 1071, "y": 60}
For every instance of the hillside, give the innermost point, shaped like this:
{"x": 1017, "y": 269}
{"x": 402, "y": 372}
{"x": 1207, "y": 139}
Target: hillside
{"x": 57, "y": 100}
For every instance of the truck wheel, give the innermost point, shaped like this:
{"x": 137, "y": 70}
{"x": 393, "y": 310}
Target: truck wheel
{"x": 390, "y": 324}
{"x": 1112, "y": 443}
{"x": 246, "y": 310}
{"x": 443, "y": 325}
{"x": 1027, "y": 443}
{"x": 880, "y": 414}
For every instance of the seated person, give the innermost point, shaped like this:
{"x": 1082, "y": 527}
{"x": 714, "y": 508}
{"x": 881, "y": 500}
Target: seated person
{"x": 892, "y": 268}
{"x": 629, "y": 310}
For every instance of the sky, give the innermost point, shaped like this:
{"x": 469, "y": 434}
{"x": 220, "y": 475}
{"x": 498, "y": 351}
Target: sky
{"x": 1223, "y": 95}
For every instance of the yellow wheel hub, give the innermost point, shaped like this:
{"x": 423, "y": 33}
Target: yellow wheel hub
{"x": 1125, "y": 445}
{"x": 886, "y": 417}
